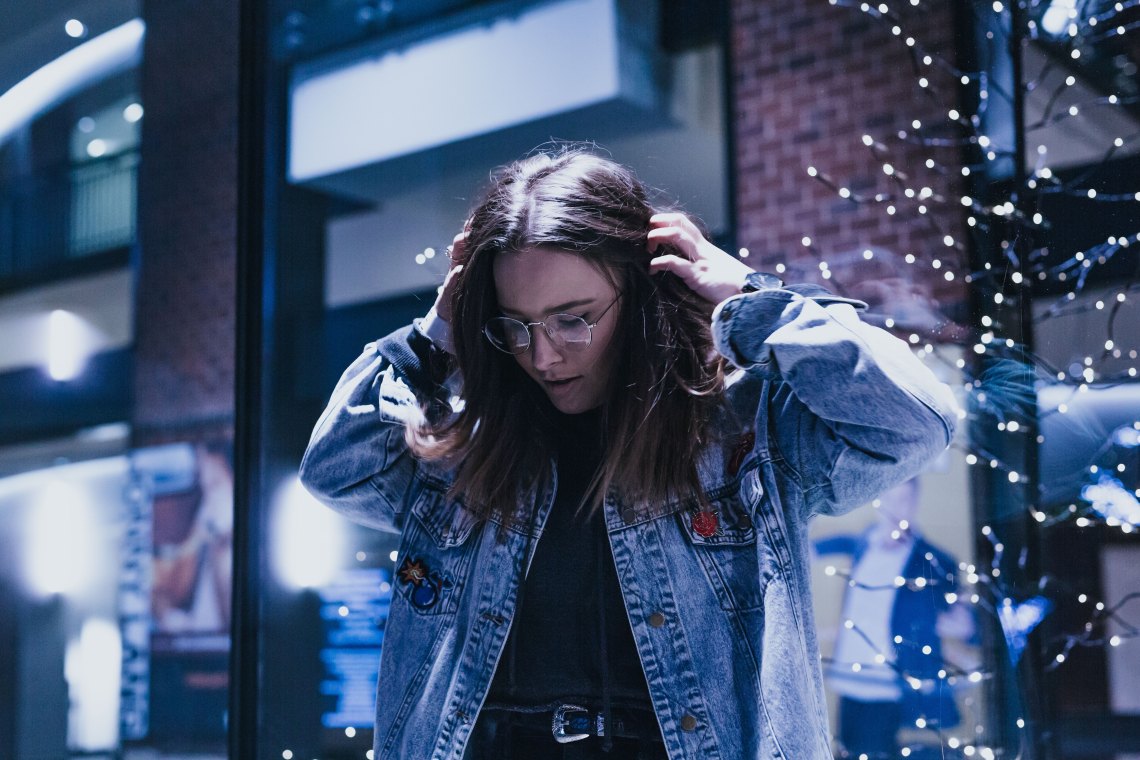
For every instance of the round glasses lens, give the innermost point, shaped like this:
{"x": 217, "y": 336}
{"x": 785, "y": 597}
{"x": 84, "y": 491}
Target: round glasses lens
{"x": 568, "y": 330}
{"x": 507, "y": 334}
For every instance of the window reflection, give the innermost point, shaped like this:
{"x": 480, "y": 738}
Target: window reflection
{"x": 120, "y": 596}
{"x": 900, "y": 619}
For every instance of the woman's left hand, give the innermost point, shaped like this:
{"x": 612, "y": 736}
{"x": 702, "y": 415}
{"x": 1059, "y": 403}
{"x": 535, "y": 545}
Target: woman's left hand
{"x": 711, "y": 273}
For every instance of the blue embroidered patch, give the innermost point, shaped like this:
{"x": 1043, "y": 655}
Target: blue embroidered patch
{"x": 427, "y": 584}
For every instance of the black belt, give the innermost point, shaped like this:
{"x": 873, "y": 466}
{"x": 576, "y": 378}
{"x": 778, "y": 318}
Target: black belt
{"x": 570, "y": 722}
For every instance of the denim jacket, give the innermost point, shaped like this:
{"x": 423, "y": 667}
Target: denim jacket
{"x": 824, "y": 413}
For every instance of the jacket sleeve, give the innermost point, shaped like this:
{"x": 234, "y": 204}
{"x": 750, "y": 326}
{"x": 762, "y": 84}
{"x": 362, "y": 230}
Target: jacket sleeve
{"x": 848, "y": 405}
{"x": 357, "y": 461}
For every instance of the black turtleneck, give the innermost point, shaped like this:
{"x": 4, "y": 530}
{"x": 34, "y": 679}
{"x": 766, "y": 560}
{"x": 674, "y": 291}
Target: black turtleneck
{"x": 571, "y": 598}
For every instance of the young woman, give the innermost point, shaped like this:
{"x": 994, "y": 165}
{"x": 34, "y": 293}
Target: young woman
{"x": 601, "y": 448}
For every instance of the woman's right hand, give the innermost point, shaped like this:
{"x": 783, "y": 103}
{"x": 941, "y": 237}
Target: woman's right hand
{"x": 457, "y": 257}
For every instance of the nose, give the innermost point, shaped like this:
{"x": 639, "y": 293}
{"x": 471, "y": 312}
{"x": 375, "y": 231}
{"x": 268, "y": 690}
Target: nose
{"x": 543, "y": 353}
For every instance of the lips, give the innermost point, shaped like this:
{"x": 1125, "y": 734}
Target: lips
{"x": 561, "y": 382}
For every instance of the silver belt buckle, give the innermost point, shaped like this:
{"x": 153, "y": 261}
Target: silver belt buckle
{"x": 558, "y": 725}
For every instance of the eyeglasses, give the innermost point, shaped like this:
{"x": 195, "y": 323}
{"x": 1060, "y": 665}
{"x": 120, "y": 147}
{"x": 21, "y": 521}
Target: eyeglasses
{"x": 567, "y": 331}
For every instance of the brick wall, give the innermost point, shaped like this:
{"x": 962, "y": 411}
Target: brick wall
{"x": 185, "y": 308}
{"x": 810, "y": 80}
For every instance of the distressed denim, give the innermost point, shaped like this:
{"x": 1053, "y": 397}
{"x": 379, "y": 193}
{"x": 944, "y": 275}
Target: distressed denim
{"x": 839, "y": 411}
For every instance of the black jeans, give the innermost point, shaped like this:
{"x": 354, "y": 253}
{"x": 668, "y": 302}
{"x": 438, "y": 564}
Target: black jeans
{"x": 494, "y": 738}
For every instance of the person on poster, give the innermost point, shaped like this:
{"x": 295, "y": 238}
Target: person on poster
{"x": 193, "y": 577}
{"x": 888, "y": 651}
{"x": 601, "y": 448}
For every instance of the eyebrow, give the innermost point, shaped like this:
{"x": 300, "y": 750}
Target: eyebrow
{"x": 553, "y": 309}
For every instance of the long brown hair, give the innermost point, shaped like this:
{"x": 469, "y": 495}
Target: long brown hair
{"x": 668, "y": 378}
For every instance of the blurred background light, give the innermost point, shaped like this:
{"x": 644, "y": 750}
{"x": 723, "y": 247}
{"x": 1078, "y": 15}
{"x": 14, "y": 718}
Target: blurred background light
{"x": 60, "y": 552}
{"x": 307, "y": 539}
{"x": 95, "y": 60}
{"x": 92, "y": 667}
{"x": 69, "y": 345}
{"x": 1056, "y": 18}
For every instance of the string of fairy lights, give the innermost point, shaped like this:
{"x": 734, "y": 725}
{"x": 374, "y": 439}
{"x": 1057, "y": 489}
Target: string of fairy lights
{"x": 1001, "y": 387}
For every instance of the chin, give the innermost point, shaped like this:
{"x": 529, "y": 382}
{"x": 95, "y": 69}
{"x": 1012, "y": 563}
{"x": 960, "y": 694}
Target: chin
{"x": 568, "y": 406}
{"x": 573, "y": 405}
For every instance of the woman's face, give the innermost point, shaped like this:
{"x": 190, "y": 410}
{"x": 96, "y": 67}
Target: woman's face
{"x": 538, "y": 282}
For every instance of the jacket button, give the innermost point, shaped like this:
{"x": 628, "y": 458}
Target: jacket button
{"x": 657, "y": 620}
{"x": 745, "y": 521}
{"x": 688, "y": 723}
{"x": 629, "y": 514}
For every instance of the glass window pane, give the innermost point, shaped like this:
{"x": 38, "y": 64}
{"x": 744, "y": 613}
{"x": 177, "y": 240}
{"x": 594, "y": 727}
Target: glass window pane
{"x": 374, "y": 189}
{"x": 979, "y": 202}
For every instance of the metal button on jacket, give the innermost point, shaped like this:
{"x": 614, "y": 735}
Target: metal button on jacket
{"x": 688, "y": 723}
{"x": 657, "y": 619}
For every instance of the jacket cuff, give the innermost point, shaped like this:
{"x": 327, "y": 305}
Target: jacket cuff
{"x": 436, "y": 329}
{"x": 742, "y": 323}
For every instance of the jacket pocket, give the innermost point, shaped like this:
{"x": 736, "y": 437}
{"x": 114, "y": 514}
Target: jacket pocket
{"x": 435, "y": 553}
{"x": 725, "y": 545}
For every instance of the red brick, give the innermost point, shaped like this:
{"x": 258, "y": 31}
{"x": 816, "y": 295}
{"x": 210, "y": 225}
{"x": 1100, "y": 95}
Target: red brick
{"x": 810, "y": 83}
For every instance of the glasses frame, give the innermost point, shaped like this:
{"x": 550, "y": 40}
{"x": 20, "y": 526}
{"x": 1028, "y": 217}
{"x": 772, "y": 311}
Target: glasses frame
{"x": 530, "y": 336}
